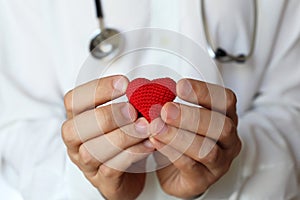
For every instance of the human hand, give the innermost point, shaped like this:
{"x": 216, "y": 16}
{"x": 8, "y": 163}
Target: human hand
{"x": 201, "y": 142}
{"x": 105, "y": 141}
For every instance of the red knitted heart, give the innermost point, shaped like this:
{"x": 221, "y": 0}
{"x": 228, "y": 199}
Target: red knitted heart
{"x": 148, "y": 97}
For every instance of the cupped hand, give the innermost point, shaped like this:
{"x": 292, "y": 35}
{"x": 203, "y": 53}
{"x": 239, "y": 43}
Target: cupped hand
{"x": 200, "y": 141}
{"x": 106, "y": 140}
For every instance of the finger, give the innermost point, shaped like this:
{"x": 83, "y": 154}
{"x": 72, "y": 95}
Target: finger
{"x": 193, "y": 173}
{"x": 200, "y": 149}
{"x": 88, "y": 171}
{"x": 172, "y": 154}
{"x": 88, "y": 159}
{"x": 116, "y": 166}
{"x": 88, "y": 164}
{"x": 107, "y": 146}
{"x": 208, "y": 95}
{"x": 94, "y": 93}
{"x": 201, "y": 121}
{"x": 182, "y": 162}
{"x": 96, "y": 122}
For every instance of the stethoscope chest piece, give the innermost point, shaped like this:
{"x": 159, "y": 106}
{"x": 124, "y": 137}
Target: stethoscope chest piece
{"x": 106, "y": 43}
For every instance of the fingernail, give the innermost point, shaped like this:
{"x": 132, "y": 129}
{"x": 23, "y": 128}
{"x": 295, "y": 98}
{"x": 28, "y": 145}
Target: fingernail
{"x": 170, "y": 111}
{"x": 141, "y": 126}
{"x": 120, "y": 84}
{"x": 128, "y": 112}
{"x": 158, "y": 127}
{"x": 184, "y": 88}
{"x": 148, "y": 144}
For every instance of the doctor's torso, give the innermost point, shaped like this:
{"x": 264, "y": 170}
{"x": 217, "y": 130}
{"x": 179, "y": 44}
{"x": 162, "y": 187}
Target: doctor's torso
{"x": 45, "y": 43}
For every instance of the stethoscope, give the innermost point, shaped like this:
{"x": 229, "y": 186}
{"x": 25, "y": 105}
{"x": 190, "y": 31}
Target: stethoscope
{"x": 102, "y": 46}
{"x": 219, "y": 53}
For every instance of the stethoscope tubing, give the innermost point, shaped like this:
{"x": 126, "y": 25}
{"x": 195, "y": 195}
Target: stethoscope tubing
{"x": 218, "y": 54}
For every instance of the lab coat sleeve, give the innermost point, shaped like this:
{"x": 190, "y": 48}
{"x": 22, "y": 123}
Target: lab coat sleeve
{"x": 32, "y": 155}
{"x": 33, "y": 159}
{"x": 268, "y": 166}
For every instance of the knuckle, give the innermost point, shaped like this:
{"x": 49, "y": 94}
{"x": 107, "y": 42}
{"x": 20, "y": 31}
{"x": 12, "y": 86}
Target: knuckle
{"x": 133, "y": 154}
{"x": 187, "y": 165}
{"x": 103, "y": 117}
{"x": 68, "y": 101}
{"x": 69, "y": 134}
{"x": 73, "y": 157}
{"x": 212, "y": 157}
{"x": 85, "y": 157}
{"x": 122, "y": 140}
{"x": 66, "y": 129}
{"x": 238, "y": 148}
{"x": 228, "y": 129}
{"x": 205, "y": 94}
{"x": 107, "y": 172}
{"x": 101, "y": 83}
{"x": 194, "y": 118}
{"x": 231, "y": 99}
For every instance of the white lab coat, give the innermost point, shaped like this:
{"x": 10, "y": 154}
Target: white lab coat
{"x": 44, "y": 43}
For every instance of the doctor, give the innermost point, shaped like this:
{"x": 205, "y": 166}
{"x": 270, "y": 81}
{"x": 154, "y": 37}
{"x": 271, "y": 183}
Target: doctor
{"x": 43, "y": 45}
